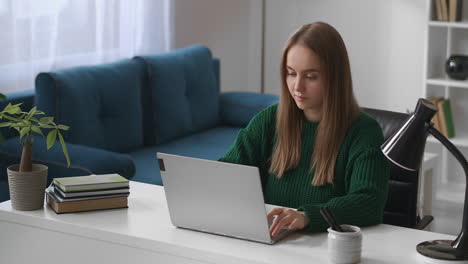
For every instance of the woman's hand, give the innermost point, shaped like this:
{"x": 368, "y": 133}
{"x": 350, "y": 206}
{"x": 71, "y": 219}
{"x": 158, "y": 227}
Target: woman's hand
{"x": 286, "y": 217}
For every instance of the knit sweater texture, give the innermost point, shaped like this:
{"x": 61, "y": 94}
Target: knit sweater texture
{"x": 359, "y": 190}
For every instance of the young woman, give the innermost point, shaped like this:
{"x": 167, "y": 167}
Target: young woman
{"x": 316, "y": 148}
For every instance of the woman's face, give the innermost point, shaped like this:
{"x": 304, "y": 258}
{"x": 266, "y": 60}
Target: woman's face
{"x": 304, "y": 79}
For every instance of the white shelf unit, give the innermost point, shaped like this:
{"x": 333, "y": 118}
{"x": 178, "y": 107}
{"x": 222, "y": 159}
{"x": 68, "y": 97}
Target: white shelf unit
{"x": 442, "y": 40}
{"x": 448, "y": 24}
{"x": 442, "y": 81}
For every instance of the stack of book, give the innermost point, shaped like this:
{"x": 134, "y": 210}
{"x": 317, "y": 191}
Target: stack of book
{"x": 448, "y": 10}
{"x": 87, "y": 193}
{"x": 443, "y": 120}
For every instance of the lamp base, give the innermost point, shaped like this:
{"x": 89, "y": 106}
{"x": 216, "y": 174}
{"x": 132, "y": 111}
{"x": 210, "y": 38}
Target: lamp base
{"x": 441, "y": 251}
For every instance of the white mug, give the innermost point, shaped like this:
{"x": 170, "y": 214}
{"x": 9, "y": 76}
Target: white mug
{"x": 345, "y": 247}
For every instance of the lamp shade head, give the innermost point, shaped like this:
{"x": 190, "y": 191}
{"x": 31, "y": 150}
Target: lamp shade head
{"x": 405, "y": 148}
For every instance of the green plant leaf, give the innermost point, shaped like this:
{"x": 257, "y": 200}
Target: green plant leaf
{"x": 13, "y": 109}
{"x": 63, "y": 127}
{"x": 11, "y": 118}
{"x": 17, "y": 126}
{"x": 7, "y": 107}
{"x": 31, "y": 113}
{"x": 25, "y": 123}
{"x": 37, "y": 130}
{"x": 24, "y": 131}
{"x": 51, "y": 138}
{"x": 6, "y": 124}
{"x": 46, "y": 126}
{"x": 64, "y": 148}
{"x": 46, "y": 120}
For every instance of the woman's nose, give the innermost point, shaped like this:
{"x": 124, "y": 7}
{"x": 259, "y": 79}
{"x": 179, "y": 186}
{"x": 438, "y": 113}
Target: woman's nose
{"x": 298, "y": 85}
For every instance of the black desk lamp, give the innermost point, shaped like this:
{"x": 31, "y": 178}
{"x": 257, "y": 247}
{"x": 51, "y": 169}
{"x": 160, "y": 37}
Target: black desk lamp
{"x": 405, "y": 148}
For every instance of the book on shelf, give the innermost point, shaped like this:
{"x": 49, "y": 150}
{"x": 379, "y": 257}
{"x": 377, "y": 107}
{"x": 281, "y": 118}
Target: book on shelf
{"x": 443, "y": 119}
{"x": 455, "y": 10}
{"x": 85, "y": 205}
{"x": 436, "y": 119}
{"x": 448, "y": 10}
{"x": 91, "y": 182}
{"x": 448, "y": 117}
{"x": 438, "y": 10}
{"x": 444, "y": 11}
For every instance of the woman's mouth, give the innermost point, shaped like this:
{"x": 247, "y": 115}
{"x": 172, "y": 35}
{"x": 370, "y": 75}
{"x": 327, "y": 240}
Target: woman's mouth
{"x": 300, "y": 98}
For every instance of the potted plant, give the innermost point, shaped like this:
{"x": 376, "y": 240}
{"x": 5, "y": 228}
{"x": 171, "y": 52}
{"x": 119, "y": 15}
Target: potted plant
{"x": 27, "y": 181}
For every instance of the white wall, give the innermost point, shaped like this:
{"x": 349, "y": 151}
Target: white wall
{"x": 231, "y": 29}
{"x": 384, "y": 38}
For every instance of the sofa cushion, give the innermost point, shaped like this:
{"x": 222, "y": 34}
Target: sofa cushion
{"x": 238, "y": 108}
{"x": 100, "y": 103}
{"x": 184, "y": 92}
{"x": 211, "y": 144}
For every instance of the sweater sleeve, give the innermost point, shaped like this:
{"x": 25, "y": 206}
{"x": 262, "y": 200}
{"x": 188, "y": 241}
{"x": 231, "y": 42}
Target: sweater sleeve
{"x": 367, "y": 187}
{"x": 250, "y": 144}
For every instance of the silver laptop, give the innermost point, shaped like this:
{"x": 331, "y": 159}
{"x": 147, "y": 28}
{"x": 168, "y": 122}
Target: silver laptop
{"x": 216, "y": 197}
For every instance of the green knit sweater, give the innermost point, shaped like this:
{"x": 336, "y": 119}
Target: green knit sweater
{"x": 360, "y": 186}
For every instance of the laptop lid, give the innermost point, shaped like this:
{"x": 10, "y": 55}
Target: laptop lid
{"x": 215, "y": 197}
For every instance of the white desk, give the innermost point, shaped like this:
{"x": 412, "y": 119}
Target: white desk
{"x": 143, "y": 234}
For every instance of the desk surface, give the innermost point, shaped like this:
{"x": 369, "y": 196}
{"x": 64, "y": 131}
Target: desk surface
{"x": 146, "y": 225}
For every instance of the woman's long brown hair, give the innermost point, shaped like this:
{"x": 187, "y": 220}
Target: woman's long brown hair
{"x": 339, "y": 107}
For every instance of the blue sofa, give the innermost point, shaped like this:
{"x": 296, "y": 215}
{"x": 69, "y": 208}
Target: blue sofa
{"x": 120, "y": 114}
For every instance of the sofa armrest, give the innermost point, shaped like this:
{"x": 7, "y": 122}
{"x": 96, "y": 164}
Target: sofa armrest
{"x": 237, "y": 108}
{"x": 26, "y": 97}
{"x": 84, "y": 161}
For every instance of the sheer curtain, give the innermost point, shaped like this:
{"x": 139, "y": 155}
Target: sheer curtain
{"x": 52, "y": 34}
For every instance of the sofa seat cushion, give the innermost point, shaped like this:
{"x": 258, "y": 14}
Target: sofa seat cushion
{"x": 84, "y": 160}
{"x": 184, "y": 92}
{"x": 101, "y": 103}
{"x": 210, "y": 144}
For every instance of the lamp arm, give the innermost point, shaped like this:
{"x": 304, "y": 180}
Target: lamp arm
{"x": 461, "y": 241}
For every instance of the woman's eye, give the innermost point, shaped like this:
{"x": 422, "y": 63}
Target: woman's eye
{"x": 312, "y": 77}
{"x": 291, "y": 74}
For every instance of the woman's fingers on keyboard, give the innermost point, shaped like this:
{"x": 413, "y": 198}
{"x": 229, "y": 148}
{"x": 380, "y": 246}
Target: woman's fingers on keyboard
{"x": 290, "y": 219}
{"x": 275, "y": 211}
{"x": 283, "y": 222}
